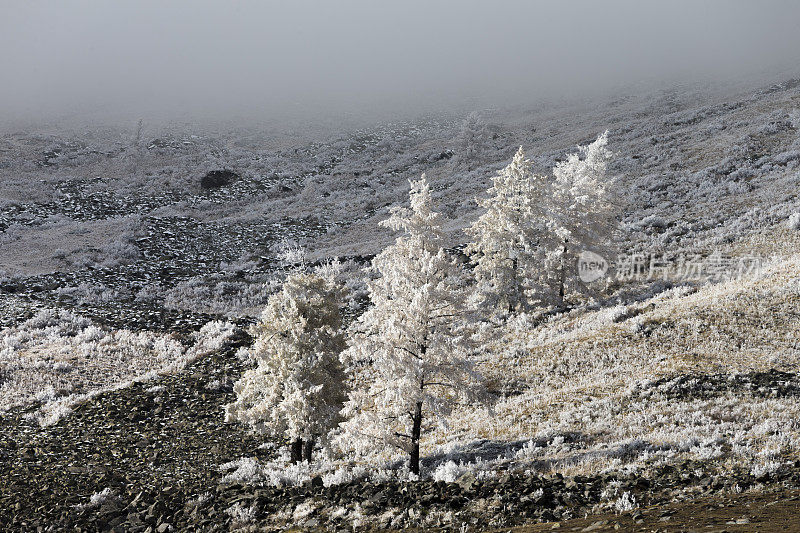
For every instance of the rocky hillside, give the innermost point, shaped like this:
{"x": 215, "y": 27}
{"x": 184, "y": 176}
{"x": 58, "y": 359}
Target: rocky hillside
{"x": 129, "y": 271}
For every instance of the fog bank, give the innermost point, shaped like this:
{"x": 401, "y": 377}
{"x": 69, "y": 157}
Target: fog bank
{"x": 200, "y": 59}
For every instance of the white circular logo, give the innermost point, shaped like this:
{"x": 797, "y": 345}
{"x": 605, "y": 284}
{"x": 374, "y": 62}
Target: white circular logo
{"x": 591, "y": 266}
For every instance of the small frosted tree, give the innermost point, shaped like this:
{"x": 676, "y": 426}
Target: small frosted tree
{"x": 473, "y": 140}
{"x": 410, "y": 353}
{"x": 583, "y": 207}
{"x": 136, "y": 154}
{"x": 509, "y": 237}
{"x": 298, "y": 387}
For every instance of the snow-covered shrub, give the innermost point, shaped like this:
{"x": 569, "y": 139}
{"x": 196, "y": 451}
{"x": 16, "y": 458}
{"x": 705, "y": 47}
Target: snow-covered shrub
{"x": 54, "y": 411}
{"x": 764, "y": 468}
{"x": 62, "y": 366}
{"x": 213, "y": 336}
{"x": 529, "y": 450}
{"x": 449, "y": 472}
{"x": 345, "y": 474}
{"x": 99, "y": 498}
{"x": 707, "y": 451}
{"x": 244, "y": 470}
{"x": 241, "y": 514}
{"x": 626, "y": 502}
{"x": 611, "y": 490}
{"x": 794, "y": 118}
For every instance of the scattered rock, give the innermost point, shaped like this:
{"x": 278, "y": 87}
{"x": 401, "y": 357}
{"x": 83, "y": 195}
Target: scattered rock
{"x": 218, "y": 178}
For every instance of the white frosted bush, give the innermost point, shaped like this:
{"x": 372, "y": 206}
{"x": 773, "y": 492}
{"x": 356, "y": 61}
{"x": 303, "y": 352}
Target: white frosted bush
{"x": 765, "y": 468}
{"x": 449, "y": 472}
{"x": 244, "y": 470}
{"x": 626, "y": 502}
{"x": 345, "y": 474}
{"x": 529, "y": 451}
{"x": 98, "y": 498}
{"x": 213, "y": 335}
{"x": 241, "y": 514}
{"x": 62, "y": 366}
{"x": 51, "y": 413}
{"x": 794, "y": 118}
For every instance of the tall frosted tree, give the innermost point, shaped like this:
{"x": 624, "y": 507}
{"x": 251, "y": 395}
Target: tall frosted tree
{"x": 298, "y": 387}
{"x": 410, "y": 353}
{"x": 584, "y": 208}
{"x": 509, "y": 238}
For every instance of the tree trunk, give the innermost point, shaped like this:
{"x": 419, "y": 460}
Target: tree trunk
{"x": 296, "y": 448}
{"x": 518, "y": 295}
{"x": 416, "y": 430}
{"x": 308, "y": 450}
{"x": 563, "y": 274}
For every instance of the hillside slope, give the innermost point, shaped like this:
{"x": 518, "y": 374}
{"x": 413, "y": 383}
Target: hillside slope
{"x": 659, "y": 387}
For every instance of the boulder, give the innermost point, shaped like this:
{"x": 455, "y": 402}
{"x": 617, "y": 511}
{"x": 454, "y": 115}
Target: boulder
{"x": 218, "y": 178}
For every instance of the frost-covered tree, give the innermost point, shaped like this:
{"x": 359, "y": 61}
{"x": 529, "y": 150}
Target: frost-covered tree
{"x": 136, "y": 154}
{"x": 509, "y": 238}
{"x": 411, "y": 350}
{"x": 584, "y": 206}
{"x": 298, "y": 387}
{"x": 473, "y": 141}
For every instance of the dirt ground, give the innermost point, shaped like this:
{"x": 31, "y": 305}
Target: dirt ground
{"x": 750, "y": 512}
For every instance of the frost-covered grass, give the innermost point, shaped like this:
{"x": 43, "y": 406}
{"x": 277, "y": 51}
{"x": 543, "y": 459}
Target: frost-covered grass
{"x": 703, "y": 174}
{"x": 58, "y": 358}
{"x": 584, "y": 398}
{"x": 580, "y": 394}
{"x": 59, "y": 243}
{"x": 702, "y": 170}
{"x": 99, "y": 498}
{"x": 281, "y": 473}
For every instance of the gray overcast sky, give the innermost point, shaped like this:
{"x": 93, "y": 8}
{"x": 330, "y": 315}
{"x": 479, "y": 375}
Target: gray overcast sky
{"x": 195, "y": 57}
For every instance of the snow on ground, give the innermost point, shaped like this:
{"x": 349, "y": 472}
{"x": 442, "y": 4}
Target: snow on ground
{"x": 594, "y": 377}
{"x": 623, "y": 388}
{"x": 705, "y": 170}
{"x": 619, "y": 384}
{"x": 674, "y": 377}
{"x": 63, "y": 244}
{"x": 57, "y": 358}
